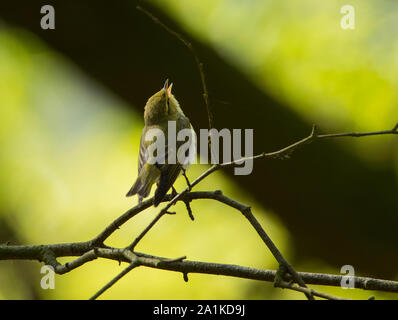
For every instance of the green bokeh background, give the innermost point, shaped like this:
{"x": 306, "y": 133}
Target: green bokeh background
{"x": 69, "y": 146}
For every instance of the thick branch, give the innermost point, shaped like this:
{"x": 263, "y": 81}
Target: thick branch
{"x": 187, "y": 266}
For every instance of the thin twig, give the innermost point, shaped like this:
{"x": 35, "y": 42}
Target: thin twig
{"x": 116, "y": 224}
{"x": 184, "y": 173}
{"x": 199, "y": 64}
{"x": 307, "y": 291}
{"x": 286, "y": 151}
{"x": 131, "y": 266}
{"x": 189, "y": 209}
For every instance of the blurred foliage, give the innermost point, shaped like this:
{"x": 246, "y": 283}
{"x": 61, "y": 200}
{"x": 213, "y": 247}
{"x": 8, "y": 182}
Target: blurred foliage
{"x": 69, "y": 147}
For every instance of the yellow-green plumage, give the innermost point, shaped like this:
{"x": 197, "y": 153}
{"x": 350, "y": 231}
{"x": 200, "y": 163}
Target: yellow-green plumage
{"x": 161, "y": 108}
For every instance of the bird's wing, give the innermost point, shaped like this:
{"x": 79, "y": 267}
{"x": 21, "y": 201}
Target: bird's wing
{"x": 170, "y": 172}
{"x": 147, "y": 174}
{"x": 143, "y": 154}
{"x": 167, "y": 173}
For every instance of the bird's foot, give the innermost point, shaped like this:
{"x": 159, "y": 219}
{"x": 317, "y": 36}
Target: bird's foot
{"x": 186, "y": 179}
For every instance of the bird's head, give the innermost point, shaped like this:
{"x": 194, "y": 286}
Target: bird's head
{"x": 161, "y": 106}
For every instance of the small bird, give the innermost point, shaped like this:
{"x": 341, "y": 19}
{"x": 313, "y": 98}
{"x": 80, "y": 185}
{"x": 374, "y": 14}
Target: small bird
{"x": 161, "y": 109}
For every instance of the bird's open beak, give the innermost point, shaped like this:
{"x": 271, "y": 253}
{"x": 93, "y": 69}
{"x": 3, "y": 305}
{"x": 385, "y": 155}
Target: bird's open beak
{"x": 167, "y": 88}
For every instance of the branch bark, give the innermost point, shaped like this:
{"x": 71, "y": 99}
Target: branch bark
{"x": 31, "y": 252}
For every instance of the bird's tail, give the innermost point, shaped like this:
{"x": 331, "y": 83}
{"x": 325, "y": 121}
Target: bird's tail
{"x": 142, "y": 186}
{"x": 167, "y": 179}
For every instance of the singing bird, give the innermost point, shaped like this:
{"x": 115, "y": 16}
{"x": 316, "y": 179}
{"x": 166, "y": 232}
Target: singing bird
{"x": 160, "y": 110}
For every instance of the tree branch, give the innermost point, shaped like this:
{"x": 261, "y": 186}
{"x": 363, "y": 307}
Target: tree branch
{"x": 181, "y": 265}
{"x": 307, "y": 291}
{"x": 90, "y": 250}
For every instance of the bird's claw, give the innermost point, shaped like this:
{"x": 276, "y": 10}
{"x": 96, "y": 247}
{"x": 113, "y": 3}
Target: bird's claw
{"x": 186, "y": 179}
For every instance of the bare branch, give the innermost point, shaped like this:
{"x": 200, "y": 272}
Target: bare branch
{"x": 186, "y": 266}
{"x": 131, "y": 266}
{"x": 99, "y": 240}
{"x": 307, "y": 291}
{"x": 199, "y": 64}
{"x": 286, "y": 151}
